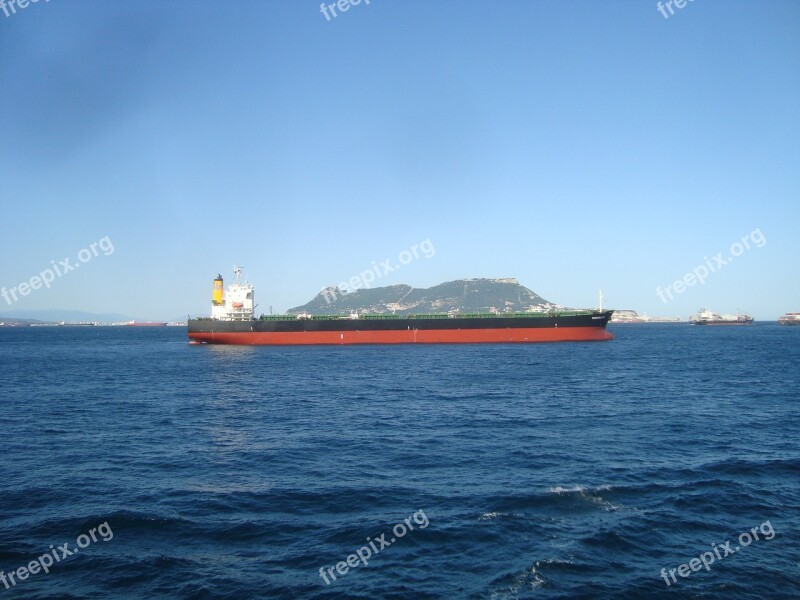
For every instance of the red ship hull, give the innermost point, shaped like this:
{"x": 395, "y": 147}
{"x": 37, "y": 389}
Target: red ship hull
{"x": 418, "y": 336}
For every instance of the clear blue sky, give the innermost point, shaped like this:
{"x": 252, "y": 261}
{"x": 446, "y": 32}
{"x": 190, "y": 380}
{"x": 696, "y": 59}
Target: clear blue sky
{"x": 574, "y": 145}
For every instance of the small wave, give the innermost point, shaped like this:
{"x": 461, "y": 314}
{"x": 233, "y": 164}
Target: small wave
{"x": 531, "y": 578}
{"x": 589, "y": 494}
{"x": 579, "y": 489}
{"x": 491, "y": 515}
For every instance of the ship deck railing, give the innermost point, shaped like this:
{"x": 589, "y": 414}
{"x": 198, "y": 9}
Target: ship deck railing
{"x": 376, "y": 317}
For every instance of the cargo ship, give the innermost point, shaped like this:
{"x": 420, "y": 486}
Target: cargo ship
{"x": 792, "y": 318}
{"x": 631, "y": 316}
{"x": 233, "y": 321}
{"x": 707, "y": 317}
{"x": 146, "y": 323}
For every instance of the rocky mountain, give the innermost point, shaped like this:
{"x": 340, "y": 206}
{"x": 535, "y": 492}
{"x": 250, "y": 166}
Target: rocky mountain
{"x": 462, "y": 295}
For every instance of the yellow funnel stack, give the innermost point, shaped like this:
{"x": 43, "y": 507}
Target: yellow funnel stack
{"x": 216, "y": 296}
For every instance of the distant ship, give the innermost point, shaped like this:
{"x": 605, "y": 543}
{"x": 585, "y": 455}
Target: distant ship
{"x": 233, "y": 321}
{"x": 146, "y": 323}
{"x": 707, "y": 317}
{"x": 789, "y": 319}
{"x": 626, "y": 316}
{"x": 631, "y": 316}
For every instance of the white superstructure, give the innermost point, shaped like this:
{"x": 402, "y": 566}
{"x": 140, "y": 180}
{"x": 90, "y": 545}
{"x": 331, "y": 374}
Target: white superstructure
{"x": 237, "y": 302}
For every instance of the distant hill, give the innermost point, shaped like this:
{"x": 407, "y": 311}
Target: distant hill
{"x": 8, "y": 321}
{"x": 69, "y": 316}
{"x": 463, "y": 295}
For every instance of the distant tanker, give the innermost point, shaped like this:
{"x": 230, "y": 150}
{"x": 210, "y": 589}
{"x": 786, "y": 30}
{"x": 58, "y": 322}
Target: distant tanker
{"x": 707, "y": 317}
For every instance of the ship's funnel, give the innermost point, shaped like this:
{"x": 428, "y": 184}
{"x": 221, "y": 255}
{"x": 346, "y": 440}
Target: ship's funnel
{"x": 216, "y": 296}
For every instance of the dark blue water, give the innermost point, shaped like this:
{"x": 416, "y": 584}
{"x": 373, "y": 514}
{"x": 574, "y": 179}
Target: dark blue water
{"x": 536, "y": 471}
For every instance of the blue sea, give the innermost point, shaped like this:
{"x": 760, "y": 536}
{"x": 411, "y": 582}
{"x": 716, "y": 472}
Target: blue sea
{"x": 573, "y": 470}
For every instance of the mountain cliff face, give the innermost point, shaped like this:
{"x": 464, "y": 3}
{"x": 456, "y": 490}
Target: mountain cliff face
{"x": 463, "y": 295}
